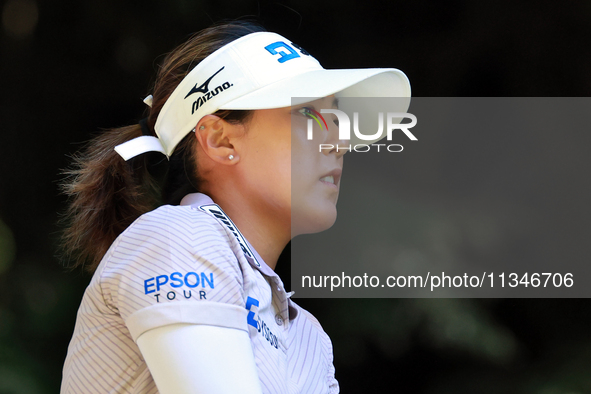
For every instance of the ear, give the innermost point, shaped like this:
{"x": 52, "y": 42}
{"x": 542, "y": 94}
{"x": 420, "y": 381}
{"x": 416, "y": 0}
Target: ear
{"x": 217, "y": 138}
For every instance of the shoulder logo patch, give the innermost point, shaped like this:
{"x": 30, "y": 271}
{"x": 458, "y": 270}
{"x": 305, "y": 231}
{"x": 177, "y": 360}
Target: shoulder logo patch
{"x": 216, "y": 211}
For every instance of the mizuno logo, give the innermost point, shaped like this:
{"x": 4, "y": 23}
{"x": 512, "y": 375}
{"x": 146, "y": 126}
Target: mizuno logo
{"x": 206, "y": 93}
{"x": 204, "y": 88}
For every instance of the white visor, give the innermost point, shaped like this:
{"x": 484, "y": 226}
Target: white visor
{"x": 260, "y": 71}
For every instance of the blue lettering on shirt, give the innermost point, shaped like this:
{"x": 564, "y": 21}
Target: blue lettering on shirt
{"x": 177, "y": 279}
{"x": 260, "y": 324}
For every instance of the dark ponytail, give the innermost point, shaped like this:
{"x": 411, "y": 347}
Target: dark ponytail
{"x": 106, "y": 193}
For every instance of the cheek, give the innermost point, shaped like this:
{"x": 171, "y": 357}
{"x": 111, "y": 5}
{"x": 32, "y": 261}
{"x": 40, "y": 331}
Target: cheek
{"x": 305, "y": 161}
{"x": 303, "y": 148}
{"x": 273, "y": 168}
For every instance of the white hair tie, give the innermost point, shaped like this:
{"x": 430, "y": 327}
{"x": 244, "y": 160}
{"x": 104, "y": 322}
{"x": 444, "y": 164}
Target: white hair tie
{"x": 148, "y": 100}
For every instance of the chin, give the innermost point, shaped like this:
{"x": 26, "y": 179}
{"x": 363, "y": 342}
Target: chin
{"x": 314, "y": 221}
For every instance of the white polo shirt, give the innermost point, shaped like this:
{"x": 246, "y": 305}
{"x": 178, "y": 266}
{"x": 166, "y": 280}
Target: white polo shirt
{"x": 190, "y": 264}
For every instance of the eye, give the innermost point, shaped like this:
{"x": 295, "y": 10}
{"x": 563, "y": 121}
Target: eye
{"x": 306, "y": 111}
{"x": 310, "y": 112}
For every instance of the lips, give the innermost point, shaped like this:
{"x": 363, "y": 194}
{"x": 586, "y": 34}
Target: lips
{"x": 333, "y": 176}
{"x": 329, "y": 179}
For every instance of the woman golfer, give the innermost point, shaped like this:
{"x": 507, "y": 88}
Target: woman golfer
{"x": 184, "y": 297}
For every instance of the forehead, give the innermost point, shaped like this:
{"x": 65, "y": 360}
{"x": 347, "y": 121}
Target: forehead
{"x": 273, "y": 113}
{"x": 325, "y": 102}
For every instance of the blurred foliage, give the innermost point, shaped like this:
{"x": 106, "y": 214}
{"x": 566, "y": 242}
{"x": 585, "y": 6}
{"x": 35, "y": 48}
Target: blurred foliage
{"x": 70, "y": 68}
{"x": 7, "y": 248}
{"x": 457, "y": 345}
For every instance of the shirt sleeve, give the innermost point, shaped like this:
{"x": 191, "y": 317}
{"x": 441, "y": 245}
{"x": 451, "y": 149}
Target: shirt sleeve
{"x": 174, "y": 265}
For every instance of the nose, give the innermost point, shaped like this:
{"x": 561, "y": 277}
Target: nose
{"x": 340, "y": 146}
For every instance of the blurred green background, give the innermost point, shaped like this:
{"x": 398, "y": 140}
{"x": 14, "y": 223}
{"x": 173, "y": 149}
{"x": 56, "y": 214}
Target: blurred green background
{"x": 70, "y": 68}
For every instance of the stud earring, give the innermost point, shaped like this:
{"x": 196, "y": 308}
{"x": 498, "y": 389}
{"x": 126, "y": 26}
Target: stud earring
{"x": 201, "y": 127}
{"x": 231, "y": 157}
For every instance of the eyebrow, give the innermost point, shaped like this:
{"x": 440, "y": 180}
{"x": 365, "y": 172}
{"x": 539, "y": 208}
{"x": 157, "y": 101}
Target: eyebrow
{"x": 335, "y": 102}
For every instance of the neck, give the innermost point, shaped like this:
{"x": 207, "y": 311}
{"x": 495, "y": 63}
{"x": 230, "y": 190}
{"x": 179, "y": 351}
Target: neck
{"x": 261, "y": 226}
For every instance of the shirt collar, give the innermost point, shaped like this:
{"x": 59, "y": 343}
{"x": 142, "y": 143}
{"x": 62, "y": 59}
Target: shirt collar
{"x": 197, "y": 199}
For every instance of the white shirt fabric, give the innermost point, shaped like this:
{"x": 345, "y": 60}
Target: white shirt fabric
{"x": 190, "y": 264}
